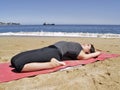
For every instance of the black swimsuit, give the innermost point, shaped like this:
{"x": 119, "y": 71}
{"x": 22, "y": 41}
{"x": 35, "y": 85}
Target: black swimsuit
{"x": 69, "y": 50}
{"x": 60, "y": 50}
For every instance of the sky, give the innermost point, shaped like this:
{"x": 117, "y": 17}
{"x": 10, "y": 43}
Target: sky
{"x": 60, "y": 11}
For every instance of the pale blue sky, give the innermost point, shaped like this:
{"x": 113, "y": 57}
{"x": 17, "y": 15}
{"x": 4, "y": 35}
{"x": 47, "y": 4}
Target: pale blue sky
{"x": 60, "y": 11}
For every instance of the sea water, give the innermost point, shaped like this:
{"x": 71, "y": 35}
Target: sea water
{"x": 101, "y": 31}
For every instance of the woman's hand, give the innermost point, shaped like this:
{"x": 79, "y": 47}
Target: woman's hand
{"x": 98, "y": 53}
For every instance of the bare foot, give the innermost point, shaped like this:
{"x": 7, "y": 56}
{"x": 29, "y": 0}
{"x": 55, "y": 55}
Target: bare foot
{"x": 55, "y": 62}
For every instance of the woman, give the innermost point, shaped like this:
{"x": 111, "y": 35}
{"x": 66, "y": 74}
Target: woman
{"x": 52, "y": 56}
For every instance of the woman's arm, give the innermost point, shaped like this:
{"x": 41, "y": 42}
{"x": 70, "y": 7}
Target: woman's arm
{"x": 83, "y": 55}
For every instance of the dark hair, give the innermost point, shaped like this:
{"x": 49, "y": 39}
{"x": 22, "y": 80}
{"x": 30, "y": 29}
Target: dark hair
{"x": 92, "y": 49}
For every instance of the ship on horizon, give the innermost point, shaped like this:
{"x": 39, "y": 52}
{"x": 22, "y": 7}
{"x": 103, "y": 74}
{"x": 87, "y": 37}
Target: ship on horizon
{"x": 48, "y": 23}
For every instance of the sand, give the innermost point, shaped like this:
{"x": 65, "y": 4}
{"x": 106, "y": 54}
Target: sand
{"x": 102, "y": 75}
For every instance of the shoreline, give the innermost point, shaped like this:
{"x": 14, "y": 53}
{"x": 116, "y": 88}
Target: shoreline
{"x": 61, "y": 34}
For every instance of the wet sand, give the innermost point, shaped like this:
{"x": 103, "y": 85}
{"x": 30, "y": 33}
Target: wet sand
{"x": 101, "y": 75}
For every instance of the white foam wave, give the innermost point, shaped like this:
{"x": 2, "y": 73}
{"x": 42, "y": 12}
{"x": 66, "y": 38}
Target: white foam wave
{"x": 61, "y": 34}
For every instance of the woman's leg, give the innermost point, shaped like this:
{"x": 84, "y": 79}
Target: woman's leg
{"x": 39, "y": 66}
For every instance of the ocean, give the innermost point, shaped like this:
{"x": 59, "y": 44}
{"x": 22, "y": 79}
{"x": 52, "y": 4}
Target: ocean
{"x": 101, "y": 31}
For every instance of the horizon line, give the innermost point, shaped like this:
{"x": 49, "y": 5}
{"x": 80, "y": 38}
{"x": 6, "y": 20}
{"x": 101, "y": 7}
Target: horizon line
{"x": 70, "y": 24}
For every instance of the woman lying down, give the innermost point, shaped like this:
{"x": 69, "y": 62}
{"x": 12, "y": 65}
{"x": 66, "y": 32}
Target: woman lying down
{"x": 52, "y": 56}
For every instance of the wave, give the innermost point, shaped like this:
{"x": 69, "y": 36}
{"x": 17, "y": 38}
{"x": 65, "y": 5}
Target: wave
{"x": 61, "y": 34}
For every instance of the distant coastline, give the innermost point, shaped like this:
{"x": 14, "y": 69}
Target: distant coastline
{"x": 8, "y": 23}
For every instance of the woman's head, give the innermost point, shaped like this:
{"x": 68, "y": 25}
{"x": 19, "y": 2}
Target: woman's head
{"x": 92, "y": 49}
{"x": 88, "y": 48}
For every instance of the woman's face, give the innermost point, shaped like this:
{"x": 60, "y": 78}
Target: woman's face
{"x": 86, "y": 48}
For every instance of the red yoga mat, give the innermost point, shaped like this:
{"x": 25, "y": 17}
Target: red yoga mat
{"x": 7, "y": 73}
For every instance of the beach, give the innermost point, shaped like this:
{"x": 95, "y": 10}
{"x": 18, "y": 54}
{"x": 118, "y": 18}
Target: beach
{"x": 101, "y": 75}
